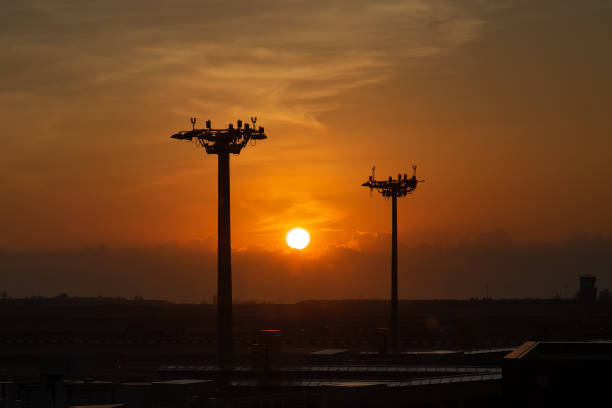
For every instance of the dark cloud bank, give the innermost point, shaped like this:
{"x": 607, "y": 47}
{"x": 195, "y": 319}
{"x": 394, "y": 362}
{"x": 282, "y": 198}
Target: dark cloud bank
{"x": 356, "y": 270}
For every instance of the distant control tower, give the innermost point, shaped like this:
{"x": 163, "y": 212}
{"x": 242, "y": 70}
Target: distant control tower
{"x": 399, "y": 187}
{"x": 222, "y": 142}
{"x": 588, "y": 290}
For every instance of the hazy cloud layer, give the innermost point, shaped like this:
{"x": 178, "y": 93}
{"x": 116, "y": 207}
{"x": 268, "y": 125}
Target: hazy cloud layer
{"x": 286, "y": 58}
{"x": 490, "y": 264}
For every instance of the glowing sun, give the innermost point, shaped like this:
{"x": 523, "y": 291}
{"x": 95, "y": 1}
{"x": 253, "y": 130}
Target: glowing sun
{"x": 298, "y": 238}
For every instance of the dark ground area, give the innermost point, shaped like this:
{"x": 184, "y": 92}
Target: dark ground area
{"x": 130, "y": 339}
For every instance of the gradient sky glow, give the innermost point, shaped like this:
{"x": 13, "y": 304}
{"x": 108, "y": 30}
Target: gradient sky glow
{"x": 505, "y": 106}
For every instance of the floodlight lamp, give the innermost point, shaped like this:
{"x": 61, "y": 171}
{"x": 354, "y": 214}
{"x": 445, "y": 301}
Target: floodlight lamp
{"x": 208, "y": 124}
{"x": 239, "y": 124}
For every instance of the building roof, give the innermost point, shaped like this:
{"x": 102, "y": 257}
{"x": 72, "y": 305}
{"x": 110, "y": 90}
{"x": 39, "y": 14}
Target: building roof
{"x": 350, "y": 369}
{"x": 98, "y": 406}
{"x": 135, "y": 384}
{"x": 254, "y": 382}
{"x": 186, "y": 381}
{"x": 87, "y": 382}
{"x": 431, "y": 352}
{"x": 329, "y": 352}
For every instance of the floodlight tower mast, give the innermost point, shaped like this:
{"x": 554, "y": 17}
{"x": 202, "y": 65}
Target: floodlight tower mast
{"x": 222, "y": 142}
{"x": 394, "y": 189}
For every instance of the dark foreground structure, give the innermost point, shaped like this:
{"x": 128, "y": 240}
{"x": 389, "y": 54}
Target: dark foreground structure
{"x": 535, "y": 374}
{"x": 72, "y": 352}
{"x": 558, "y": 374}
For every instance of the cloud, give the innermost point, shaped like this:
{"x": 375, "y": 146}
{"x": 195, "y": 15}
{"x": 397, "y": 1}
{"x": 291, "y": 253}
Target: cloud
{"x": 287, "y": 59}
{"x": 188, "y": 273}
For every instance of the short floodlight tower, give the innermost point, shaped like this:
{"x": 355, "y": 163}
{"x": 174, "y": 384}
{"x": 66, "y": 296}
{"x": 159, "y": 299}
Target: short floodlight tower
{"x": 399, "y": 187}
{"x": 222, "y": 142}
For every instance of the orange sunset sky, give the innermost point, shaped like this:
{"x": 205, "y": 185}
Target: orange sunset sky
{"x": 505, "y": 106}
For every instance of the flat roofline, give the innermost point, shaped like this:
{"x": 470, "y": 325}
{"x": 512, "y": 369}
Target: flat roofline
{"x": 329, "y": 351}
{"x": 353, "y": 369}
{"x": 318, "y": 383}
{"x": 184, "y": 381}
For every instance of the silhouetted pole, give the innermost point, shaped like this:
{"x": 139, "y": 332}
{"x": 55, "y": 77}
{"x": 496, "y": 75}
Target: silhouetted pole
{"x": 222, "y": 142}
{"x": 394, "y": 189}
{"x": 394, "y": 301}
{"x": 225, "y": 341}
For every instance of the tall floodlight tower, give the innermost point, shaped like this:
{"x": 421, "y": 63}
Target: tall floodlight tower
{"x": 222, "y": 142}
{"x": 394, "y": 189}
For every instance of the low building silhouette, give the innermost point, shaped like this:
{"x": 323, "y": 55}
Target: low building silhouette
{"x": 557, "y": 374}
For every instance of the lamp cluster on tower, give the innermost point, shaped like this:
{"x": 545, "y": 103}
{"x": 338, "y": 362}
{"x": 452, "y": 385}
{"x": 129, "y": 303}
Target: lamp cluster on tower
{"x": 230, "y": 140}
{"x": 399, "y": 187}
